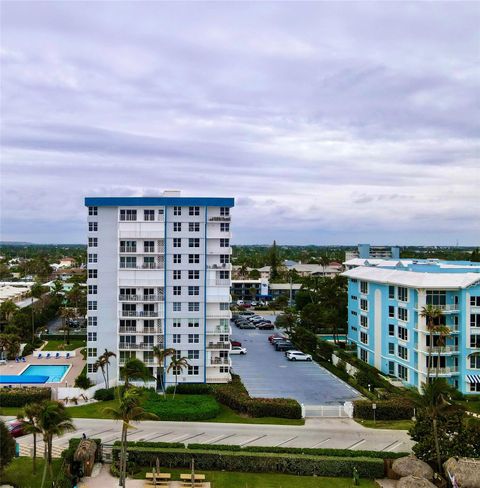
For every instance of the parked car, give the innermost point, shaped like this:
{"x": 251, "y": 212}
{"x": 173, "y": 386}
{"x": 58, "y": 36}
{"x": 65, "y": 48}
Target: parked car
{"x": 265, "y": 326}
{"x": 253, "y": 303}
{"x": 278, "y": 339}
{"x": 236, "y": 343}
{"x": 298, "y": 356}
{"x": 16, "y": 428}
{"x": 246, "y": 325}
{"x": 246, "y": 312}
{"x": 284, "y": 346}
{"x": 240, "y": 302}
{"x": 270, "y": 338}
{"x": 238, "y": 350}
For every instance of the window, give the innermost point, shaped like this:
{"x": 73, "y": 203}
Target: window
{"x": 474, "y": 320}
{"x": 193, "y": 210}
{"x": 391, "y": 292}
{"x": 92, "y": 305}
{"x": 92, "y": 242}
{"x": 363, "y": 320}
{"x": 224, "y": 242}
{"x": 193, "y": 306}
{"x": 402, "y": 293}
{"x": 353, "y": 297}
{"x": 128, "y": 246}
{"x": 193, "y": 338}
{"x": 194, "y": 258}
{"x": 403, "y": 333}
{"x": 177, "y": 338}
{"x": 402, "y": 314}
{"x": 193, "y": 242}
{"x": 177, "y": 290}
{"x": 149, "y": 215}
{"x": 177, "y": 274}
{"x": 475, "y": 341}
{"x": 177, "y": 258}
{"x": 194, "y": 323}
{"x": 364, "y": 355}
{"x": 92, "y": 321}
{"x": 148, "y": 246}
{"x": 223, "y": 275}
{"x": 177, "y": 306}
{"x": 91, "y": 368}
{"x": 224, "y": 258}
{"x": 92, "y": 289}
{"x": 128, "y": 262}
{"x": 224, "y": 227}
{"x": 92, "y": 210}
{"x": 194, "y": 227}
{"x": 363, "y": 304}
{"x": 192, "y": 370}
{"x": 224, "y": 369}
{"x": 92, "y": 226}
{"x": 224, "y": 211}
{"x": 353, "y": 312}
{"x": 391, "y": 348}
{"x": 194, "y": 290}
{"x": 364, "y": 287}
{"x": 403, "y": 352}
{"x": 363, "y": 338}
{"x": 193, "y": 354}
{"x": 455, "y": 320}
{"x": 92, "y": 336}
{"x": 475, "y": 387}
{"x": 403, "y": 372}
{"x": 92, "y": 258}
{"x": 391, "y": 329}
{"x": 474, "y": 362}
{"x": 93, "y": 273}
{"x": 391, "y": 311}
{"x": 128, "y": 215}
{"x": 92, "y": 352}
{"x": 177, "y": 227}
{"x": 177, "y": 242}
{"x": 391, "y": 368}
{"x": 436, "y": 297}
{"x": 475, "y": 301}
{"x": 224, "y": 306}
{"x": 193, "y": 274}
{"x": 177, "y": 211}
{"x": 177, "y": 323}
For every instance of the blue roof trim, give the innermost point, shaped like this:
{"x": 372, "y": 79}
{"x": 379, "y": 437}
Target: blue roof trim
{"x": 158, "y": 201}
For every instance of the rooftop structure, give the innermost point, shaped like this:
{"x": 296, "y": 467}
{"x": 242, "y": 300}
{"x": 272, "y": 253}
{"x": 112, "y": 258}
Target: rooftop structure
{"x": 366, "y": 251}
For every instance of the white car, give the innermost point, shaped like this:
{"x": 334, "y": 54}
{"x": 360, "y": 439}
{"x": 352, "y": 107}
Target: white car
{"x": 298, "y": 356}
{"x": 238, "y": 350}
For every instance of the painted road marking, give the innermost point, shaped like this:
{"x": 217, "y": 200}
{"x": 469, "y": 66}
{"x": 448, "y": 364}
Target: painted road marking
{"x": 356, "y": 444}
{"x": 253, "y": 440}
{"x": 161, "y": 435}
{"x": 218, "y": 438}
{"x": 321, "y": 442}
{"x": 285, "y": 442}
{"x": 393, "y": 446}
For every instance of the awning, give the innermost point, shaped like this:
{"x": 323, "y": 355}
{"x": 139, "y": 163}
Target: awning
{"x": 473, "y": 378}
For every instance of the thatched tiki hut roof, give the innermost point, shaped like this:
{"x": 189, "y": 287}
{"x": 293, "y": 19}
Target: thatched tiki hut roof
{"x": 410, "y": 465}
{"x": 85, "y": 453}
{"x": 414, "y": 482}
{"x": 465, "y": 470}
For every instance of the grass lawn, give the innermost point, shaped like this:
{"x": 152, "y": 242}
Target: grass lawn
{"x": 54, "y": 345}
{"x": 225, "y": 479}
{"x": 19, "y": 473}
{"x": 471, "y": 406}
{"x": 10, "y": 411}
{"x": 92, "y": 410}
{"x": 386, "y": 424}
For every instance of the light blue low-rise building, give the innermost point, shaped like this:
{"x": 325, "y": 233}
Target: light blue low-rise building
{"x": 385, "y": 321}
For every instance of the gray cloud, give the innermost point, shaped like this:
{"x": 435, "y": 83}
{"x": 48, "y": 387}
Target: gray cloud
{"x": 329, "y": 122}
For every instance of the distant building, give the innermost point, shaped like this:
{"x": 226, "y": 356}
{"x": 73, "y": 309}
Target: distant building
{"x": 242, "y": 289}
{"x": 303, "y": 270}
{"x": 66, "y": 262}
{"x": 366, "y": 251}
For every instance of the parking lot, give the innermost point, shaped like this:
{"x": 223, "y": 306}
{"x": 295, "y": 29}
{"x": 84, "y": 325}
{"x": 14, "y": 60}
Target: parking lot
{"x": 267, "y": 373}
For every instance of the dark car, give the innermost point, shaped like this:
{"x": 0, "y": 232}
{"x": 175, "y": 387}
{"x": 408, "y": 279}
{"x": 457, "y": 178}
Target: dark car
{"x": 265, "y": 326}
{"x": 236, "y": 343}
{"x": 246, "y": 325}
{"x": 278, "y": 339}
{"x": 16, "y": 428}
{"x": 283, "y": 346}
{"x": 274, "y": 336}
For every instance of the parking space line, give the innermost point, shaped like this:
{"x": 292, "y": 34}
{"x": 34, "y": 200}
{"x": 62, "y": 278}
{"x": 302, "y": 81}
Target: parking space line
{"x": 193, "y": 436}
{"x": 356, "y": 444}
{"x": 161, "y": 435}
{"x": 285, "y": 442}
{"x": 253, "y": 440}
{"x": 219, "y": 438}
{"x": 392, "y": 446}
{"x": 321, "y": 442}
{"x": 182, "y": 437}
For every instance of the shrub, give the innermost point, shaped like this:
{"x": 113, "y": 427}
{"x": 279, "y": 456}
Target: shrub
{"x": 394, "y": 409}
{"x": 367, "y": 378}
{"x": 19, "y": 397}
{"x": 235, "y": 396}
{"x": 191, "y": 389}
{"x": 7, "y": 447}
{"x": 104, "y": 394}
{"x": 82, "y": 381}
{"x": 183, "y": 408}
{"x": 28, "y": 349}
{"x": 298, "y": 464}
{"x": 157, "y": 445}
{"x": 68, "y": 453}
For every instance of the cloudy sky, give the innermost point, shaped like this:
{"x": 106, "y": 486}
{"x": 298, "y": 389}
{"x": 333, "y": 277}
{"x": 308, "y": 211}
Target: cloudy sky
{"x": 330, "y": 123}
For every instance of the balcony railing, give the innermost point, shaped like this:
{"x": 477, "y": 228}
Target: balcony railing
{"x": 140, "y": 298}
{"x": 143, "y": 266}
{"x": 223, "y": 218}
{"x": 137, "y": 345}
{"x": 445, "y": 371}
{"x": 225, "y": 266}
{"x": 444, "y": 308}
{"x": 219, "y": 361}
{"x": 438, "y": 349}
{"x": 219, "y": 330}
{"x": 140, "y": 313}
{"x": 128, "y": 249}
{"x": 218, "y": 345}
{"x": 145, "y": 330}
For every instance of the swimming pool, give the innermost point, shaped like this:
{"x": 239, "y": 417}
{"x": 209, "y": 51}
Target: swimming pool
{"x": 329, "y": 338}
{"x": 54, "y": 373}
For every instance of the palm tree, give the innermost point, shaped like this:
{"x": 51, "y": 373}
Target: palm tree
{"x": 30, "y": 424}
{"x": 128, "y": 411}
{"x": 161, "y": 355}
{"x": 107, "y": 355}
{"x": 431, "y": 313}
{"x": 444, "y": 332}
{"x": 53, "y": 419}
{"x": 324, "y": 261}
{"x": 57, "y": 288}
{"x": 177, "y": 365}
{"x": 67, "y": 314}
{"x": 7, "y": 309}
{"x": 100, "y": 363}
{"x": 36, "y": 291}
{"x": 134, "y": 369}
{"x": 434, "y": 401}
{"x": 75, "y": 295}
{"x": 10, "y": 343}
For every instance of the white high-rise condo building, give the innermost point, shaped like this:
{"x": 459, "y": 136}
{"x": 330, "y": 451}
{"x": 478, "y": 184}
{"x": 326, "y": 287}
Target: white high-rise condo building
{"x": 159, "y": 275}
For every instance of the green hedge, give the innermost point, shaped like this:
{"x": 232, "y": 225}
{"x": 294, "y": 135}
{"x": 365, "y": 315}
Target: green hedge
{"x": 68, "y": 453}
{"x": 157, "y": 445}
{"x": 297, "y": 464}
{"x": 235, "y": 396}
{"x": 184, "y": 408}
{"x": 191, "y": 389}
{"x": 104, "y": 394}
{"x": 21, "y": 396}
{"x": 394, "y": 409}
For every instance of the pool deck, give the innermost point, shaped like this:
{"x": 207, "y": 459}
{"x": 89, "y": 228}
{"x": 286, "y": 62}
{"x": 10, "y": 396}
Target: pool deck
{"x": 77, "y": 362}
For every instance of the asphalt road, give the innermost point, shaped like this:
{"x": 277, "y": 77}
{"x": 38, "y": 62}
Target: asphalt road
{"x": 267, "y": 373}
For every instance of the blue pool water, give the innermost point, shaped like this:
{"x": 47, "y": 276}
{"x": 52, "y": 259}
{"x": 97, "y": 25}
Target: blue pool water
{"x": 55, "y": 373}
{"x": 326, "y": 337}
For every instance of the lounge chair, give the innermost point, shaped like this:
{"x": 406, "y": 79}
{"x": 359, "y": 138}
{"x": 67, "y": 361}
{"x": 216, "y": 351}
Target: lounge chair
{"x": 39, "y": 355}
{"x": 23, "y": 359}
{"x": 67, "y": 356}
{"x": 57, "y": 355}
{"x": 17, "y": 359}
{"x": 47, "y": 356}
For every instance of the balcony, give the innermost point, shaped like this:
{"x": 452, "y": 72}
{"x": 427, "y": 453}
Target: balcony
{"x": 129, "y": 249}
{"x": 438, "y": 349}
{"x": 443, "y": 308}
{"x": 139, "y": 313}
{"x": 141, "y": 298}
{"x": 143, "y": 266}
{"x": 219, "y": 282}
{"x": 219, "y": 314}
{"x": 220, "y": 266}
{"x": 219, "y": 330}
{"x": 137, "y": 345}
{"x": 219, "y": 361}
{"x": 445, "y": 371}
{"x": 454, "y": 329}
{"x": 223, "y": 218}
{"x": 145, "y": 330}
{"x": 218, "y": 345}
